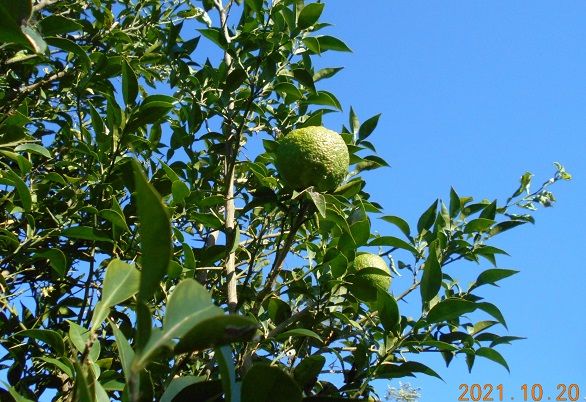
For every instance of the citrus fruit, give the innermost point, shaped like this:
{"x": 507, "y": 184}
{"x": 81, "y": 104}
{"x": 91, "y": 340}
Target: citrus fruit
{"x": 372, "y": 279}
{"x": 312, "y": 156}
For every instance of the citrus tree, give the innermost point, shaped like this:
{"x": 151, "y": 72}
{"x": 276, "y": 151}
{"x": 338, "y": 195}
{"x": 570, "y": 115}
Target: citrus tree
{"x": 167, "y": 234}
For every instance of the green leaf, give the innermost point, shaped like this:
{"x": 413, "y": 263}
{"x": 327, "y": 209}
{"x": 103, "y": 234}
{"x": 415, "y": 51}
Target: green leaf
{"x": 406, "y": 369}
{"x": 79, "y": 337}
{"x": 394, "y": 242}
{"x": 85, "y": 233}
{"x": 177, "y": 385}
{"x": 50, "y": 337}
{"x": 325, "y": 73}
{"x": 34, "y": 149}
{"x": 331, "y": 43}
{"x": 319, "y": 201}
{"x": 368, "y": 127}
{"x": 235, "y": 79}
{"x": 180, "y": 191}
{"x": 57, "y": 260}
{"x": 262, "y": 383}
{"x": 150, "y": 111}
{"x": 493, "y": 355}
{"x": 115, "y": 218}
{"x": 71, "y": 47}
{"x": 304, "y": 78}
{"x": 301, "y": 332}
{"x": 255, "y": 5}
{"x": 35, "y": 39}
{"x": 309, "y": 15}
{"x": 63, "y": 364}
{"x": 449, "y": 309}
{"x": 398, "y": 222}
{"x": 129, "y": 84}
{"x": 479, "y": 225}
{"x": 491, "y": 276}
{"x": 228, "y": 373}
{"x": 307, "y": 372}
{"x": 493, "y": 311}
{"x": 84, "y": 385}
{"x": 155, "y": 234}
{"x": 504, "y": 226}
{"x": 21, "y": 187}
{"x": 189, "y": 305}
{"x": 427, "y": 218}
{"x": 125, "y": 351}
{"x": 455, "y": 203}
{"x": 215, "y": 35}
{"x": 431, "y": 280}
{"x": 217, "y": 331}
{"x": 120, "y": 283}
{"x": 388, "y": 311}
{"x": 53, "y": 25}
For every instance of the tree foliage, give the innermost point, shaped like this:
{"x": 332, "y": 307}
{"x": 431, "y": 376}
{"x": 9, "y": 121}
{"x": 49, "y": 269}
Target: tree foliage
{"x": 149, "y": 249}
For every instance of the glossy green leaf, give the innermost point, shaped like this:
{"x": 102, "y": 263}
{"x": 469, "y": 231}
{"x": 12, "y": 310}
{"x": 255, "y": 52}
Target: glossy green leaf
{"x": 304, "y": 78}
{"x": 71, "y": 47}
{"x": 327, "y": 42}
{"x": 368, "y": 127}
{"x": 432, "y": 276}
{"x": 388, "y": 312}
{"x": 189, "y": 305}
{"x": 493, "y": 311}
{"x": 155, "y": 234}
{"x": 35, "y": 39}
{"x": 34, "y": 149}
{"x": 309, "y": 15}
{"x": 115, "y": 218}
{"x": 262, "y": 383}
{"x": 394, "y": 242}
{"x": 129, "y": 84}
{"x": 493, "y": 355}
{"x": 450, "y": 309}
{"x": 120, "y": 283}
{"x": 504, "y": 226}
{"x": 325, "y": 73}
{"x": 479, "y": 225}
{"x": 57, "y": 260}
{"x": 50, "y": 337}
{"x": 398, "y": 222}
{"x": 491, "y": 276}
{"x": 427, "y": 218}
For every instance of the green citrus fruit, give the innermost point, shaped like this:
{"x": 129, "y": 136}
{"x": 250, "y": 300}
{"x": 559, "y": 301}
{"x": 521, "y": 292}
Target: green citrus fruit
{"x": 372, "y": 280}
{"x": 312, "y": 156}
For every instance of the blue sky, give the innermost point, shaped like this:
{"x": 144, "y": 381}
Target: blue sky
{"x": 473, "y": 94}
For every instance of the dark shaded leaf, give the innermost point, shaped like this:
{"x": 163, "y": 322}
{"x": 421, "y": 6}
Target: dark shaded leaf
{"x": 262, "y": 383}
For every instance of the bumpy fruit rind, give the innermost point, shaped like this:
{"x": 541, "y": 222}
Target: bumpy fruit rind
{"x": 312, "y": 156}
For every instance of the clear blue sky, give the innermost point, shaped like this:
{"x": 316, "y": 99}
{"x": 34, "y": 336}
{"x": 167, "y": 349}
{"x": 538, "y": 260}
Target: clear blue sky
{"x": 473, "y": 94}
